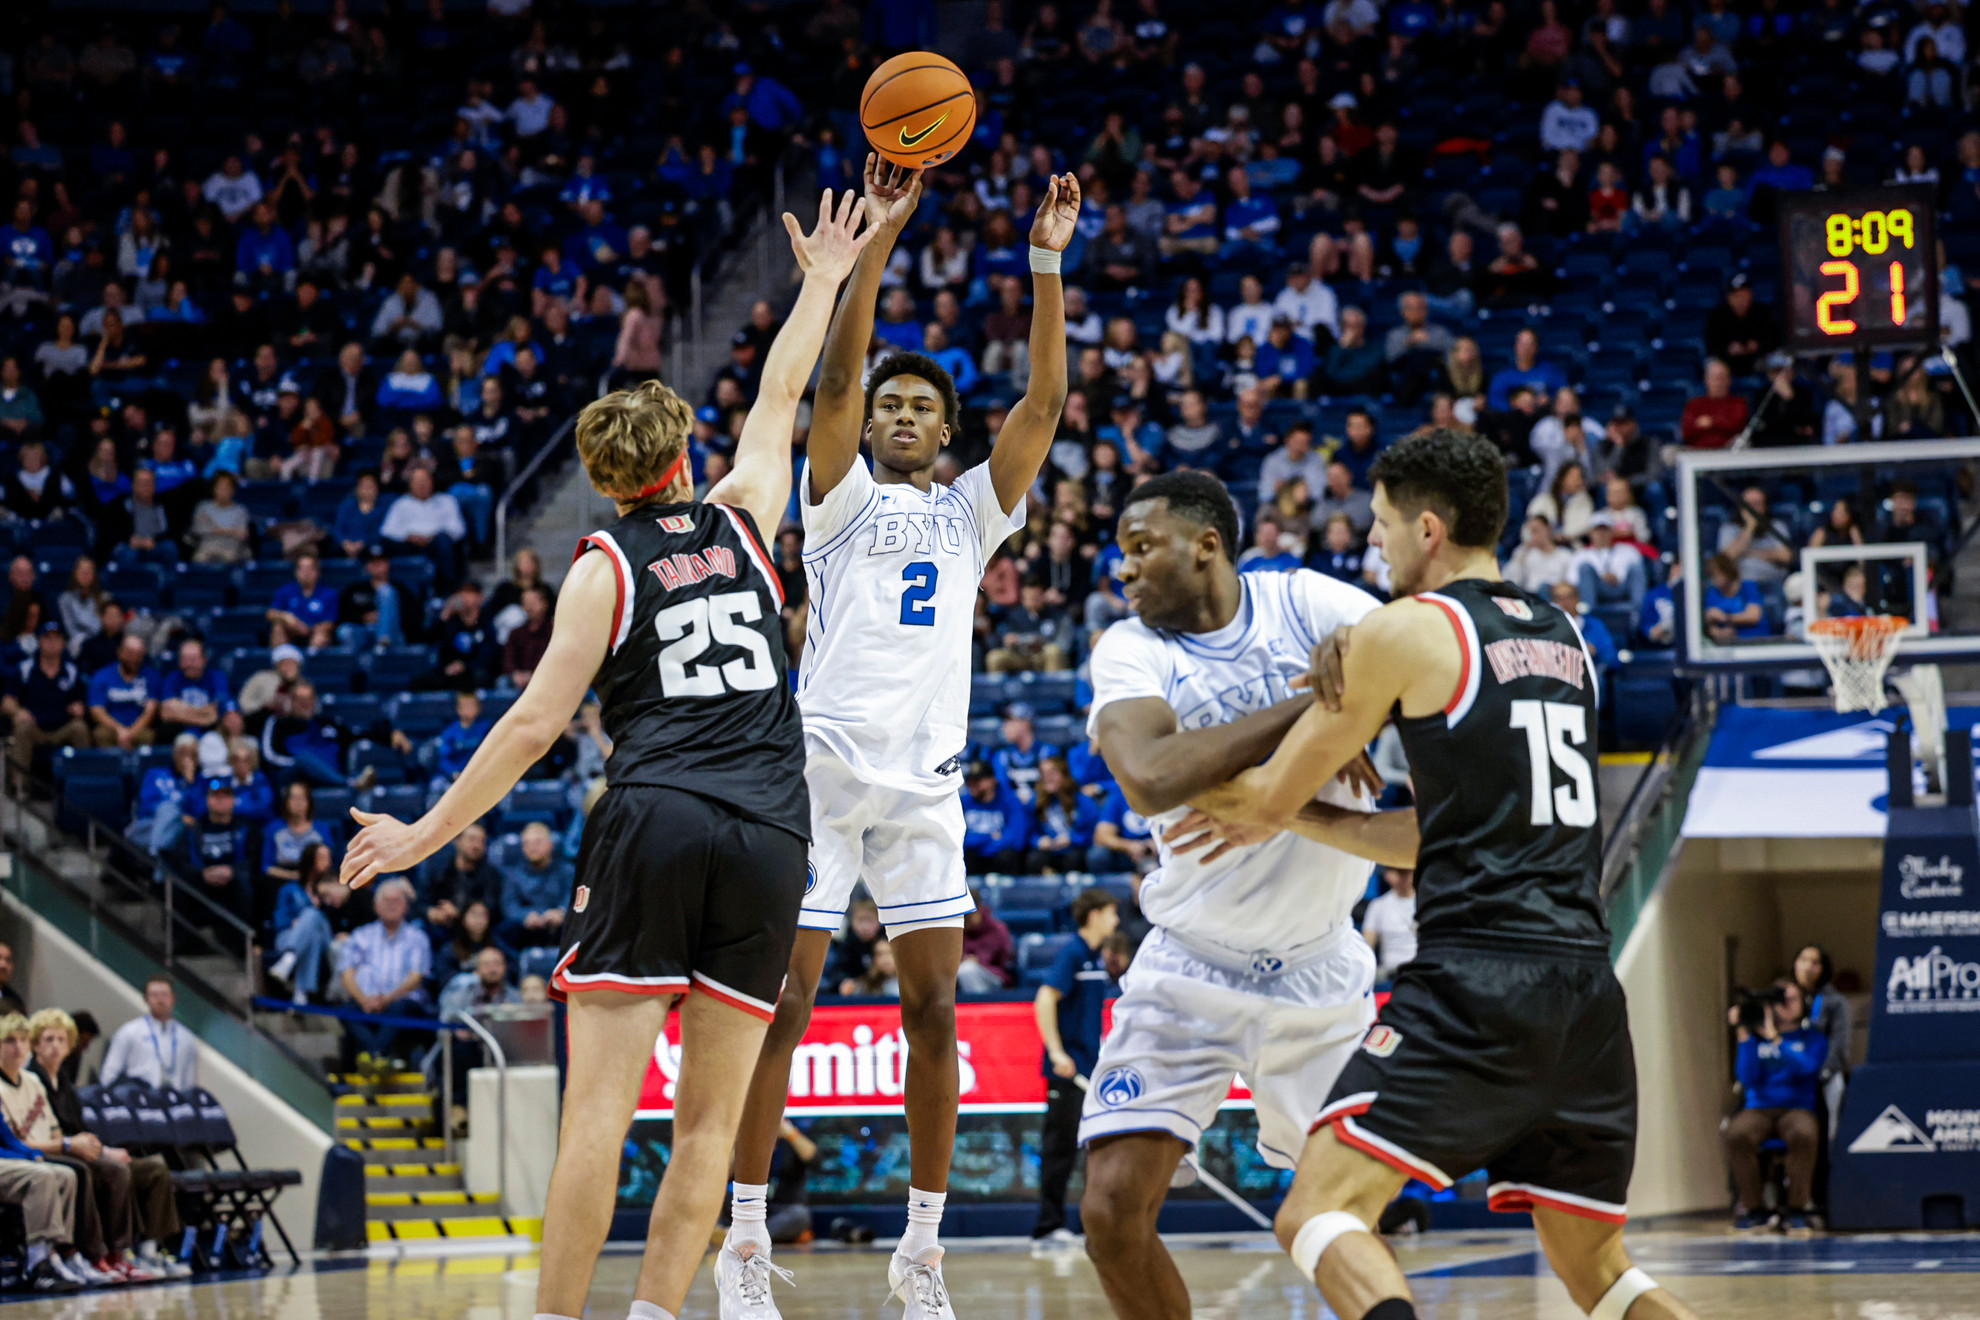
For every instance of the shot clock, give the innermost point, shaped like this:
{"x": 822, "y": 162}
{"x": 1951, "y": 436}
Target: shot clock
{"x": 1860, "y": 269}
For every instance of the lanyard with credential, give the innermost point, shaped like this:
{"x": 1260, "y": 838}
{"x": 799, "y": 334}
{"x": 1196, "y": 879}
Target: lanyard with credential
{"x": 170, "y": 1069}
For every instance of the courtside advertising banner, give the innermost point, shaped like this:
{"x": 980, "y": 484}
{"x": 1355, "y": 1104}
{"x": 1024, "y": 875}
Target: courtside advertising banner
{"x": 854, "y": 1057}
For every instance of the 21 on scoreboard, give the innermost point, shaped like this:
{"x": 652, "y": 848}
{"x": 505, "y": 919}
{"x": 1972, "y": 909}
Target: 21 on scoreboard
{"x": 1860, "y": 269}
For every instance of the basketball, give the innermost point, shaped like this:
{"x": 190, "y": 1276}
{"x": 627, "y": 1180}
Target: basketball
{"x": 918, "y": 109}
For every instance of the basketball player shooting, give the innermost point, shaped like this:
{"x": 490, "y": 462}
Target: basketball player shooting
{"x": 894, "y": 560}
{"x": 1505, "y": 1045}
{"x": 693, "y": 864}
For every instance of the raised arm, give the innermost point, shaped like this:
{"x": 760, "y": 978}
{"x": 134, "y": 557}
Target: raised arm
{"x": 578, "y": 642}
{"x": 1034, "y": 420}
{"x": 838, "y": 408}
{"x": 1160, "y": 766}
{"x": 760, "y": 481}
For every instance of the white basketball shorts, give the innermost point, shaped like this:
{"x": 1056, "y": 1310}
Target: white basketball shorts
{"x": 1183, "y": 1027}
{"x": 908, "y": 847}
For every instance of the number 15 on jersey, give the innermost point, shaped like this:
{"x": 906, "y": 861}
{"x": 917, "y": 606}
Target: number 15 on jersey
{"x": 1553, "y": 728}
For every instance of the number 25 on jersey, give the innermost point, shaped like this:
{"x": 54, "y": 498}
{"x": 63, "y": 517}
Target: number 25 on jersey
{"x": 690, "y": 629}
{"x": 1551, "y": 726}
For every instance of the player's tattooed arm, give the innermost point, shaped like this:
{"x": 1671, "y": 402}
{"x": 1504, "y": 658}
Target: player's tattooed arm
{"x": 578, "y": 643}
{"x": 839, "y": 406}
{"x": 760, "y": 478}
{"x": 1160, "y": 766}
{"x": 1034, "y": 420}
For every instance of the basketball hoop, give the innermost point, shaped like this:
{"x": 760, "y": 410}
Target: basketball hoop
{"x": 1857, "y": 651}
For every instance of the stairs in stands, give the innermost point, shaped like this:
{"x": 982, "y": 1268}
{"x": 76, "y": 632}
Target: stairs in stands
{"x": 411, "y": 1192}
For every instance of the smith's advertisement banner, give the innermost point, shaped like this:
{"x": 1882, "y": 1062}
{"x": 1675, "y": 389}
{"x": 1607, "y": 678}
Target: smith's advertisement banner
{"x": 854, "y": 1057}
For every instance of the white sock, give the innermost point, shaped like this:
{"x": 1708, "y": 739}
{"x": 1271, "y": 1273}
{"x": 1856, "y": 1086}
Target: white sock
{"x": 37, "y": 1252}
{"x": 647, "y": 1311}
{"x": 146, "y": 1248}
{"x": 749, "y": 1204}
{"x": 924, "y": 1221}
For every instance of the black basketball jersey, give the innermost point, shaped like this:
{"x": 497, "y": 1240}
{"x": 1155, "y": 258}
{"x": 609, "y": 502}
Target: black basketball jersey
{"x": 694, "y": 690}
{"x": 1504, "y": 777}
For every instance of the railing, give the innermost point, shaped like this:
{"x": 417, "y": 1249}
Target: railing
{"x": 501, "y": 1061}
{"x": 1639, "y": 843}
{"x": 526, "y": 478}
{"x": 90, "y": 915}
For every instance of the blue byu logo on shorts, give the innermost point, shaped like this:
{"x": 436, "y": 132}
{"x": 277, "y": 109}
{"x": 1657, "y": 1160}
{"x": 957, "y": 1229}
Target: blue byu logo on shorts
{"x": 810, "y": 876}
{"x": 1120, "y": 1086}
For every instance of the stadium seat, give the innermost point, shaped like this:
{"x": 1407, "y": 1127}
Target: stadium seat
{"x": 421, "y": 715}
{"x": 382, "y": 758}
{"x": 396, "y": 670}
{"x": 544, "y": 801}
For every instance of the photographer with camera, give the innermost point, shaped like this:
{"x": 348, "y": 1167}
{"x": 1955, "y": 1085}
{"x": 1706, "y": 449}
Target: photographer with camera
{"x": 1780, "y": 1060}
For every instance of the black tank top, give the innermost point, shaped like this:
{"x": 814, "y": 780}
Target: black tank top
{"x": 694, "y": 690}
{"x": 1505, "y": 779}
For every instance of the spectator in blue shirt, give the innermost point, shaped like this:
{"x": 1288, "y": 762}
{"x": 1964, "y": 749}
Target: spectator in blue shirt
{"x": 359, "y": 517}
{"x": 1267, "y": 553}
{"x": 1191, "y": 223}
{"x": 195, "y": 698}
{"x": 1062, "y": 819}
{"x": 455, "y": 746}
{"x": 26, "y": 254}
{"x": 1122, "y": 840}
{"x": 1780, "y": 174}
{"x": 1601, "y": 642}
{"x": 1780, "y": 1061}
{"x": 1337, "y": 556}
{"x": 956, "y": 361}
{"x": 1070, "y": 1010}
{"x": 771, "y": 106}
{"x": 1285, "y": 359}
{"x": 304, "y": 612}
{"x": 265, "y": 255}
{"x": 1251, "y": 223}
{"x": 1016, "y": 762}
{"x": 217, "y": 852}
{"x": 1733, "y": 607}
{"x": 1544, "y": 378}
{"x": 995, "y": 823}
{"x": 123, "y": 700}
{"x": 554, "y": 280}
{"x": 895, "y": 325}
{"x": 535, "y": 891}
{"x": 166, "y": 798}
{"x": 601, "y": 244}
{"x": 254, "y": 796}
{"x": 409, "y": 386}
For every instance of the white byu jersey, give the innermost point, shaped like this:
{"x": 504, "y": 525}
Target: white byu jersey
{"x": 1287, "y": 891}
{"x": 894, "y": 573}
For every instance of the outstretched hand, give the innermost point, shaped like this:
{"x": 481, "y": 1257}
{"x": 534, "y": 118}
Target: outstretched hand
{"x": 1057, "y": 214}
{"x": 892, "y": 191}
{"x": 830, "y": 249}
{"x": 385, "y": 845}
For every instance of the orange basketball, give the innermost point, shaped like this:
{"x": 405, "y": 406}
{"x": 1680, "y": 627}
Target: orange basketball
{"x": 918, "y": 109}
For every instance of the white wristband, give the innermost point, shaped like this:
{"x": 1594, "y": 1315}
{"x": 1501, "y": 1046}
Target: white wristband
{"x": 1044, "y": 261}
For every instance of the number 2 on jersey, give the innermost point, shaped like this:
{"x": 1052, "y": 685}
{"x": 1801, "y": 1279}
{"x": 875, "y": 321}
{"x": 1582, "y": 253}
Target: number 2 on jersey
{"x": 915, "y": 608}
{"x": 689, "y": 629}
{"x": 1550, "y": 726}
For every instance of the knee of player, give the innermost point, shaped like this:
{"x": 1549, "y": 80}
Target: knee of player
{"x": 929, "y": 1019}
{"x": 1109, "y": 1213}
{"x": 794, "y": 1006}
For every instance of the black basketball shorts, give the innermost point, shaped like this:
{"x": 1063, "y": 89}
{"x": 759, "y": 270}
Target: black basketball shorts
{"x": 1516, "y": 1062}
{"x": 677, "y": 893}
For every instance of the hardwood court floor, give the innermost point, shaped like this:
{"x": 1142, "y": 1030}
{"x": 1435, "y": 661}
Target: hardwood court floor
{"x": 1470, "y": 1276}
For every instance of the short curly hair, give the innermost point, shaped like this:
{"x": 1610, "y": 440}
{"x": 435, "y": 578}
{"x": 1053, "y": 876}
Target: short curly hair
{"x": 919, "y": 364}
{"x": 1458, "y": 476}
{"x": 629, "y": 437}
{"x": 1195, "y": 497}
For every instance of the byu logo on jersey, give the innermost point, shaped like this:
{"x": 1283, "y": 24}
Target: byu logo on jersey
{"x": 919, "y": 532}
{"x": 810, "y": 876}
{"x": 1381, "y": 1040}
{"x": 676, "y": 523}
{"x": 1120, "y": 1086}
{"x": 1267, "y": 964}
{"x": 1519, "y": 609}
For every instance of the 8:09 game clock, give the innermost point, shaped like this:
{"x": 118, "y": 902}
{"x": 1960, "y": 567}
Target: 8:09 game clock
{"x": 1860, "y": 269}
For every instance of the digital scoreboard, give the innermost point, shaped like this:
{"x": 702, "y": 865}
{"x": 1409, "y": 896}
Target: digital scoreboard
{"x": 1860, "y": 269}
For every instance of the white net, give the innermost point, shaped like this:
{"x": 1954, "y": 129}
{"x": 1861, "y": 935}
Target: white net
{"x": 1857, "y": 652}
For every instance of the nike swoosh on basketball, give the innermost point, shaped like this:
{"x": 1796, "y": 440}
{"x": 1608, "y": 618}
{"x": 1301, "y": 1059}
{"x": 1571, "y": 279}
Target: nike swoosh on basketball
{"x": 914, "y": 139}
